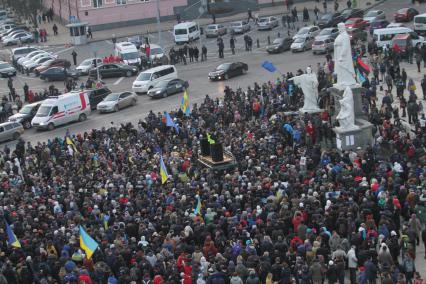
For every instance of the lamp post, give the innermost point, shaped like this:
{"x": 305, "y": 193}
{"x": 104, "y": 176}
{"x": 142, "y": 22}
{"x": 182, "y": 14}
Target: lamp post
{"x": 158, "y": 22}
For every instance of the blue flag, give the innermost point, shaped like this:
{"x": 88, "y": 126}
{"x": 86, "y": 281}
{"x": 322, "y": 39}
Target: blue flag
{"x": 360, "y": 76}
{"x": 269, "y": 66}
{"x": 170, "y": 122}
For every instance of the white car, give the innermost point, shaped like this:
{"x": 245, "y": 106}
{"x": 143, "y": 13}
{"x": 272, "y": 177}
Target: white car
{"x": 29, "y": 56}
{"x": 240, "y": 27}
{"x": 374, "y": 15}
{"x": 311, "y": 31}
{"x": 33, "y": 58}
{"x": 88, "y": 64}
{"x": 302, "y": 43}
{"x": 24, "y": 37}
{"x": 33, "y": 64}
{"x": 267, "y": 23}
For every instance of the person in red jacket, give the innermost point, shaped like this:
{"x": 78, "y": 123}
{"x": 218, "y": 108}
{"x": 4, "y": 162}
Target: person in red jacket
{"x": 310, "y": 132}
{"x": 84, "y": 278}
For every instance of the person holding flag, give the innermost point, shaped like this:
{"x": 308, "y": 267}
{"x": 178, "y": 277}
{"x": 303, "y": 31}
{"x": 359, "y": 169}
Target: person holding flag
{"x": 184, "y": 106}
{"x": 163, "y": 171}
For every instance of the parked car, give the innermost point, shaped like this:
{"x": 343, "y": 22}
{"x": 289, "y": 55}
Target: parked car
{"x": 164, "y": 89}
{"x": 405, "y": 15}
{"x": 240, "y": 27}
{"x": 267, "y": 23}
{"x": 329, "y": 32}
{"x": 329, "y": 20}
{"x": 356, "y": 23}
{"x": 29, "y": 66}
{"x": 215, "y": 30}
{"x": 323, "y": 45}
{"x": 279, "y": 45}
{"x": 20, "y": 61}
{"x": 52, "y": 63}
{"x": 26, "y": 114}
{"x": 378, "y": 24}
{"x": 356, "y": 35}
{"x": 95, "y": 95}
{"x": 117, "y": 101}
{"x": 374, "y": 15}
{"x": 88, "y": 64}
{"x": 10, "y": 131}
{"x": 227, "y": 70}
{"x": 7, "y": 70}
{"x": 309, "y": 31}
{"x": 113, "y": 70}
{"x": 11, "y": 31}
{"x": 57, "y": 74}
{"x": 19, "y": 52}
{"x": 352, "y": 13}
{"x": 23, "y": 37}
{"x": 302, "y": 43}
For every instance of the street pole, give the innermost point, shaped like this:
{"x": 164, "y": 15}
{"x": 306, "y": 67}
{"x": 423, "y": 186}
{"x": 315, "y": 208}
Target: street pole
{"x": 158, "y": 23}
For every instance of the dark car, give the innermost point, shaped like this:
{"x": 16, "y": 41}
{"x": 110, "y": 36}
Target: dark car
{"x": 57, "y": 74}
{"x": 7, "y": 70}
{"x": 329, "y": 20}
{"x": 279, "y": 45}
{"x": 96, "y": 95}
{"x": 165, "y": 88}
{"x": 114, "y": 70}
{"x": 227, "y": 70}
{"x": 26, "y": 114}
{"x": 52, "y": 63}
{"x": 356, "y": 35}
{"x": 352, "y": 13}
{"x": 378, "y": 24}
{"x": 405, "y": 15}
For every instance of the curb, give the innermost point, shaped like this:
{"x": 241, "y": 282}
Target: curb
{"x": 218, "y": 20}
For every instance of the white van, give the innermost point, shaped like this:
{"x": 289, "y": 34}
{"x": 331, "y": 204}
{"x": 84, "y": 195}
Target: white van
{"x": 384, "y": 36}
{"x": 420, "y": 23}
{"x": 186, "y": 32}
{"x": 128, "y": 52}
{"x": 148, "y": 78}
{"x": 58, "y": 110}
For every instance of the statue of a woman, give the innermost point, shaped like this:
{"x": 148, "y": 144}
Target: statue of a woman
{"x": 346, "y": 116}
{"x": 344, "y": 66}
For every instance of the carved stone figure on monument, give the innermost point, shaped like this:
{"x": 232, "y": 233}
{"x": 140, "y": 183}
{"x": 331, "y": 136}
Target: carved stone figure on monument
{"x": 308, "y": 82}
{"x": 344, "y": 66}
{"x": 346, "y": 116}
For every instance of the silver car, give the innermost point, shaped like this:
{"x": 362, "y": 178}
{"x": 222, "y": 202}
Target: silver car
{"x": 322, "y": 44}
{"x": 311, "y": 31}
{"x": 117, "y": 101}
{"x": 302, "y": 44}
{"x": 374, "y": 15}
{"x": 267, "y": 23}
{"x": 240, "y": 27}
{"x": 215, "y": 30}
{"x": 10, "y": 131}
{"x": 88, "y": 64}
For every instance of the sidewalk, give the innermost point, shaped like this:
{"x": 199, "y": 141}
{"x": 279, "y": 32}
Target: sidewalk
{"x": 64, "y": 39}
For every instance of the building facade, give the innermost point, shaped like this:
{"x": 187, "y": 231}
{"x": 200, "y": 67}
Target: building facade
{"x": 105, "y": 14}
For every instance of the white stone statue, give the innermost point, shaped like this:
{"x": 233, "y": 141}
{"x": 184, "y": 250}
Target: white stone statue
{"x": 309, "y": 84}
{"x": 346, "y": 116}
{"x": 344, "y": 67}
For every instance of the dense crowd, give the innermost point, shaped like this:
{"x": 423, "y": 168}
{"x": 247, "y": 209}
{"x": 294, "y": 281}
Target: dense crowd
{"x": 292, "y": 210}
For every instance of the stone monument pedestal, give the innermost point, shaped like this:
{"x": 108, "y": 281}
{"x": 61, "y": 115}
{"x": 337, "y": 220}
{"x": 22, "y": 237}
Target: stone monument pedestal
{"x": 351, "y": 139}
{"x": 309, "y": 111}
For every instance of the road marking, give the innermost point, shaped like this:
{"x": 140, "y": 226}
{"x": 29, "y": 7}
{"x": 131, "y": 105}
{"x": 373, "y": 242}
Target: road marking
{"x": 64, "y": 50}
{"x": 118, "y": 81}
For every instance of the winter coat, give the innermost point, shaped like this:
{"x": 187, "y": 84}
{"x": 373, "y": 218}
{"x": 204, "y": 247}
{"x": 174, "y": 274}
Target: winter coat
{"x": 352, "y": 259}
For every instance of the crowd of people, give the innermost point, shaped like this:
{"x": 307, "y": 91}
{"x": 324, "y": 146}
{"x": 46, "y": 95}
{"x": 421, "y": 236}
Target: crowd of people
{"x": 291, "y": 210}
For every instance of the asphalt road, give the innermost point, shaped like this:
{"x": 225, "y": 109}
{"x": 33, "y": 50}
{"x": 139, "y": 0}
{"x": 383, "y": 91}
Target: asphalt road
{"x": 195, "y": 73}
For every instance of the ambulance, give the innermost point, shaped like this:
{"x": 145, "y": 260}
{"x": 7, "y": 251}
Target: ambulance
{"x": 59, "y": 110}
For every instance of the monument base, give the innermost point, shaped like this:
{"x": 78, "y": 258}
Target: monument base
{"x": 351, "y": 139}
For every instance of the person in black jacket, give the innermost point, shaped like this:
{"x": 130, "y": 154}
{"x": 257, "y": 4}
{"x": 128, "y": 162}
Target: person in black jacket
{"x": 424, "y": 239}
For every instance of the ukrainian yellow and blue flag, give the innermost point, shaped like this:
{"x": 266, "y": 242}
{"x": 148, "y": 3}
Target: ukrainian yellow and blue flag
{"x": 13, "y": 240}
{"x": 163, "y": 171}
{"x": 197, "y": 210}
{"x": 88, "y": 244}
{"x": 184, "y": 105}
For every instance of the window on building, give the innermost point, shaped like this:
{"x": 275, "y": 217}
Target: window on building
{"x": 121, "y": 2}
{"x": 97, "y": 3}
